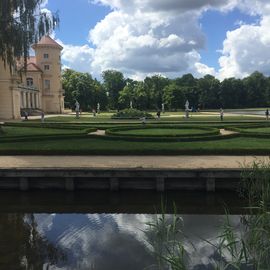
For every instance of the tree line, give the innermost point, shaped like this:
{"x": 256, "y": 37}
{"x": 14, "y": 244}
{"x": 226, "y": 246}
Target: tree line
{"x": 116, "y": 92}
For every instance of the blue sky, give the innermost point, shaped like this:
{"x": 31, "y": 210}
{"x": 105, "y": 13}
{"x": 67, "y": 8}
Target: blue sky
{"x": 169, "y": 37}
{"x": 215, "y": 25}
{"x": 77, "y": 18}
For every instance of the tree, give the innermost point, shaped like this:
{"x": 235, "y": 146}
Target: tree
{"x": 209, "y": 89}
{"x": 174, "y": 96}
{"x": 83, "y": 88}
{"x": 155, "y": 87}
{"x": 113, "y": 82}
{"x": 127, "y": 94}
{"x": 256, "y": 86}
{"x": 189, "y": 87}
{"x": 141, "y": 96}
{"x": 232, "y": 93}
{"x": 22, "y": 23}
{"x": 23, "y": 247}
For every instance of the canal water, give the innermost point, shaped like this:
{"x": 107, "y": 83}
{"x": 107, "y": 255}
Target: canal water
{"x": 102, "y": 231}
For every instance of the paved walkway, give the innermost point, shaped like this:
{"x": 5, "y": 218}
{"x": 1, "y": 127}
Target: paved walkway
{"x": 147, "y": 162}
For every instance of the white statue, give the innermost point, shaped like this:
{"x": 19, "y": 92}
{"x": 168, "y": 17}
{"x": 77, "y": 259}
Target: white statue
{"x": 130, "y": 105}
{"x": 187, "y": 109}
{"x": 163, "y": 108}
{"x": 98, "y": 108}
{"x": 77, "y": 108}
{"x": 187, "y": 106}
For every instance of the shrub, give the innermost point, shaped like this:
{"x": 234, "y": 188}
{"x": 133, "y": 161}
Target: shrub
{"x": 193, "y": 131}
{"x": 131, "y": 113}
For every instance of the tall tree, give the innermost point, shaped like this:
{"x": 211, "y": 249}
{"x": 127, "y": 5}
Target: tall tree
{"x": 22, "y": 23}
{"x": 155, "y": 85}
{"x": 113, "y": 82}
{"x": 83, "y": 88}
{"x": 256, "y": 86}
{"x": 23, "y": 247}
{"x": 127, "y": 94}
{"x": 174, "y": 96}
{"x": 232, "y": 93}
{"x": 209, "y": 88}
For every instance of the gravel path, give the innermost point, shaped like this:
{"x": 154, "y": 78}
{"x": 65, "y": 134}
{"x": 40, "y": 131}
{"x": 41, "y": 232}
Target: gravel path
{"x": 225, "y": 132}
{"x": 147, "y": 162}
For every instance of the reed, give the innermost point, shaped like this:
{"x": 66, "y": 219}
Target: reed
{"x": 248, "y": 248}
{"x": 166, "y": 239}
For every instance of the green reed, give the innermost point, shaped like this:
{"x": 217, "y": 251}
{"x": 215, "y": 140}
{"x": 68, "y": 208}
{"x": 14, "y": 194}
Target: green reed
{"x": 247, "y": 249}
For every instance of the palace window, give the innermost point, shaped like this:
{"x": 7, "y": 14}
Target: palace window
{"x": 29, "y": 81}
{"x": 47, "y": 84}
{"x": 46, "y": 67}
{"x": 45, "y": 55}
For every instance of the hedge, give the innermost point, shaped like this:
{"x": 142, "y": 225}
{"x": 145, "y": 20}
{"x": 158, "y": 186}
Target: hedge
{"x": 208, "y": 131}
{"x": 131, "y": 114}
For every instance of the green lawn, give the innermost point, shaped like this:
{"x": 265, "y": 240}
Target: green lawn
{"x": 72, "y": 138}
{"x": 28, "y": 131}
{"x": 258, "y": 130}
{"x": 92, "y": 145}
{"x": 176, "y": 118}
{"x": 162, "y": 131}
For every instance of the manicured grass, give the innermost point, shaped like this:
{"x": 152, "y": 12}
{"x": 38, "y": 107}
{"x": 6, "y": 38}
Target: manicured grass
{"x": 258, "y": 130}
{"x": 162, "y": 131}
{"x": 71, "y": 138}
{"x": 176, "y": 118}
{"x": 92, "y": 145}
{"x": 29, "y": 131}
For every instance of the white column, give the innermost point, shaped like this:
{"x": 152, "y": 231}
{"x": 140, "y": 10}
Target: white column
{"x": 26, "y": 100}
{"x": 35, "y": 101}
{"x": 22, "y": 101}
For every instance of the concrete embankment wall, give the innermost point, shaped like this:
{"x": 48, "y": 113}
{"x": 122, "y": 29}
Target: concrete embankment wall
{"x": 71, "y": 179}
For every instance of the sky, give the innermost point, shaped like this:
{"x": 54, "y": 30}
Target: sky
{"x": 224, "y": 38}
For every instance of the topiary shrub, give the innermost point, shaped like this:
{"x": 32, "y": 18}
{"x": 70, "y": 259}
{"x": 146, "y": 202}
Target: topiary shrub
{"x": 131, "y": 114}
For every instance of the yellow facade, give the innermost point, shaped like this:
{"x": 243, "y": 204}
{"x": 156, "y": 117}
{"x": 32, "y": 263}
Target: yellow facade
{"x": 39, "y": 88}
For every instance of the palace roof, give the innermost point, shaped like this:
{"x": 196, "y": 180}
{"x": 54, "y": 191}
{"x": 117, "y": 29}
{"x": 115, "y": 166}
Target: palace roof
{"x": 47, "y": 40}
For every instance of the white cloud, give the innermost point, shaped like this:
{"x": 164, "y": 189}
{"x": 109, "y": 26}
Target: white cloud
{"x": 247, "y": 48}
{"x": 141, "y": 38}
{"x": 44, "y": 3}
{"x": 77, "y": 57}
{"x": 203, "y": 70}
{"x": 165, "y": 6}
{"x": 146, "y": 37}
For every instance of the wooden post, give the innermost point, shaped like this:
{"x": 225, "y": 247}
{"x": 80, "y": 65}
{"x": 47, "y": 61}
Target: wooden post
{"x": 69, "y": 184}
{"x": 24, "y": 184}
{"x": 211, "y": 183}
{"x": 114, "y": 184}
{"x": 160, "y": 184}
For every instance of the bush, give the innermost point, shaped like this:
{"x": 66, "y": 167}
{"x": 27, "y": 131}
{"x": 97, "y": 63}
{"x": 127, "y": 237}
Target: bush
{"x": 255, "y": 131}
{"x": 192, "y": 131}
{"x": 132, "y": 113}
{"x": 207, "y": 134}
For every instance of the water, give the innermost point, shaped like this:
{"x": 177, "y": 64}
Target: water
{"x": 43, "y": 232}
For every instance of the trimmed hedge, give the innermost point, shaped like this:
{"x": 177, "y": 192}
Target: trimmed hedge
{"x": 50, "y": 125}
{"x": 40, "y": 137}
{"x": 166, "y": 139}
{"x": 206, "y": 131}
{"x": 131, "y": 114}
{"x": 208, "y": 134}
{"x": 253, "y": 134}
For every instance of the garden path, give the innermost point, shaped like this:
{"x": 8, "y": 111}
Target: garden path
{"x": 127, "y": 162}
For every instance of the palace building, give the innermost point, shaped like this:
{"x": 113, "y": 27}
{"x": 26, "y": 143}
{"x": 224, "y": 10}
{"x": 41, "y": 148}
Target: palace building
{"x": 38, "y": 88}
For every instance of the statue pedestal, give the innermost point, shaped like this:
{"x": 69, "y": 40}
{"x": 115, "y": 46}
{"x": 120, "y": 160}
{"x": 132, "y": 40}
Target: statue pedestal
{"x": 187, "y": 114}
{"x": 77, "y": 114}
